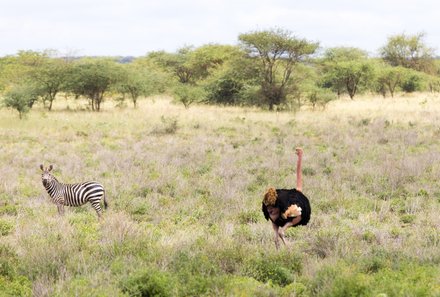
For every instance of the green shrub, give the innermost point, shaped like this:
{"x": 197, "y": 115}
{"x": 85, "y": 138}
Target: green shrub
{"x": 247, "y": 287}
{"x": 369, "y": 236}
{"x": 325, "y": 242}
{"x": 169, "y": 125}
{"x": 307, "y": 171}
{"x": 8, "y": 209}
{"x": 196, "y": 285}
{"x": 188, "y": 94}
{"x": 410, "y": 279}
{"x": 224, "y": 90}
{"x": 373, "y": 263}
{"x": 407, "y": 218}
{"x": 139, "y": 208}
{"x": 340, "y": 281}
{"x": 319, "y": 96}
{"x": 21, "y": 98}
{"x": 229, "y": 256}
{"x": 295, "y": 289}
{"x": 8, "y": 261}
{"x": 86, "y": 229}
{"x": 423, "y": 193}
{"x": 185, "y": 263}
{"x": 355, "y": 285}
{"x": 244, "y": 232}
{"x": 148, "y": 283}
{"x": 83, "y": 286}
{"x": 18, "y": 286}
{"x": 412, "y": 82}
{"x": 5, "y": 227}
{"x": 12, "y": 284}
{"x": 196, "y": 272}
{"x": 251, "y": 216}
{"x": 381, "y": 274}
{"x": 277, "y": 268}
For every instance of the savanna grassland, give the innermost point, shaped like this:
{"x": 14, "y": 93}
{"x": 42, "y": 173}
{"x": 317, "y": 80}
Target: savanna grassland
{"x": 185, "y": 188}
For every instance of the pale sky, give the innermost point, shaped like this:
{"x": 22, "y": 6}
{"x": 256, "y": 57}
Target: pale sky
{"x": 136, "y": 27}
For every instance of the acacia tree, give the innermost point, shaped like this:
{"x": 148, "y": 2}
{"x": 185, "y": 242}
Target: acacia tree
{"x": 333, "y": 77}
{"x": 234, "y": 81}
{"x": 346, "y": 69}
{"x": 193, "y": 69}
{"x": 176, "y": 63}
{"x": 51, "y": 77}
{"x": 389, "y": 78}
{"x": 16, "y": 70}
{"x": 92, "y": 79}
{"x": 136, "y": 81}
{"x": 20, "y": 91}
{"x": 409, "y": 51}
{"x": 190, "y": 65}
{"x": 354, "y": 75}
{"x": 277, "y": 52}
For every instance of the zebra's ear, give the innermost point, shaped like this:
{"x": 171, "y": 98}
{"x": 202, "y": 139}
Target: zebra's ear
{"x": 50, "y": 168}
{"x": 41, "y": 167}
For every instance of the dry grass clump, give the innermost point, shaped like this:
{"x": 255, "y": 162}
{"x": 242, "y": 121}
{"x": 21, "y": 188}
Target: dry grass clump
{"x": 185, "y": 188}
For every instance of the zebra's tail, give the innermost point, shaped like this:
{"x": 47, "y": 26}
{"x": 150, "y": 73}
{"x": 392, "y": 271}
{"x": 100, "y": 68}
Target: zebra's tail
{"x": 105, "y": 201}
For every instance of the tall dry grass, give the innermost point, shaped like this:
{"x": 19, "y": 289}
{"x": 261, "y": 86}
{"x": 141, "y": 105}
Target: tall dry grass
{"x": 185, "y": 189}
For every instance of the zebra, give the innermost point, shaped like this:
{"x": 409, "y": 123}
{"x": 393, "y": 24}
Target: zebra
{"x": 73, "y": 194}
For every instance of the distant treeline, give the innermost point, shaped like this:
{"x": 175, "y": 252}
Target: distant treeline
{"x": 271, "y": 68}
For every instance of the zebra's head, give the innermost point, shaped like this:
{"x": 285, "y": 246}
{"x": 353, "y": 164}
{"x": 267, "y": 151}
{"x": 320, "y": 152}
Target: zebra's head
{"x": 46, "y": 176}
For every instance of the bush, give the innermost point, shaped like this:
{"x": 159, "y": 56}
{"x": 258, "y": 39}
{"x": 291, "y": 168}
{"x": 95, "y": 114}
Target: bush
{"x": 84, "y": 286}
{"x": 188, "y": 264}
{"x": 21, "y": 98}
{"x": 248, "y": 287}
{"x": 251, "y": 95}
{"x": 8, "y": 261}
{"x": 140, "y": 210}
{"x": 224, "y": 90}
{"x": 277, "y": 268}
{"x": 251, "y": 216}
{"x": 295, "y": 289}
{"x": 12, "y": 284}
{"x": 407, "y": 218}
{"x": 325, "y": 243}
{"x": 5, "y": 227}
{"x": 320, "y": 96}
{"x": 188, "y": 94}
{"x": 410, "y": 279}
{"x": 168, "y": 126}
{"x": 9, "y": 210}
{"x": 339, "y": 281}
{"x": 149, "y": 282}
{"x": 19, "y": 286}
{"x": 412, "y": 82}
{"x": 379, "y": 259}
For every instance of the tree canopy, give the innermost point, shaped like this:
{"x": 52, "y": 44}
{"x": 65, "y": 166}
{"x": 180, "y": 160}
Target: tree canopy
{"x": 271, "y": 68}
{"x": 409, "y": 51}
{"x": 277, "y": 51}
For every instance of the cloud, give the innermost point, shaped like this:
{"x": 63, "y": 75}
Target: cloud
{"x": 135, "y": 27}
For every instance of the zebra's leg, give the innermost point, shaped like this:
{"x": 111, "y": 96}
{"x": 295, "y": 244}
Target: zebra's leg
{"x": 60, "y": 209}
{"x": 97, "y": 206}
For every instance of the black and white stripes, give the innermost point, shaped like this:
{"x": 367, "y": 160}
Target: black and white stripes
{"x": 73, "y": 194}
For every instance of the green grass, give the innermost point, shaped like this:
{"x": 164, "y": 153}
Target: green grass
{"x": 185, "y": 188}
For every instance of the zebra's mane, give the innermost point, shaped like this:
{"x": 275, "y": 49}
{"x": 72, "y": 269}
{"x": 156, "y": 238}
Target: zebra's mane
{"x": 54, "y": 177}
